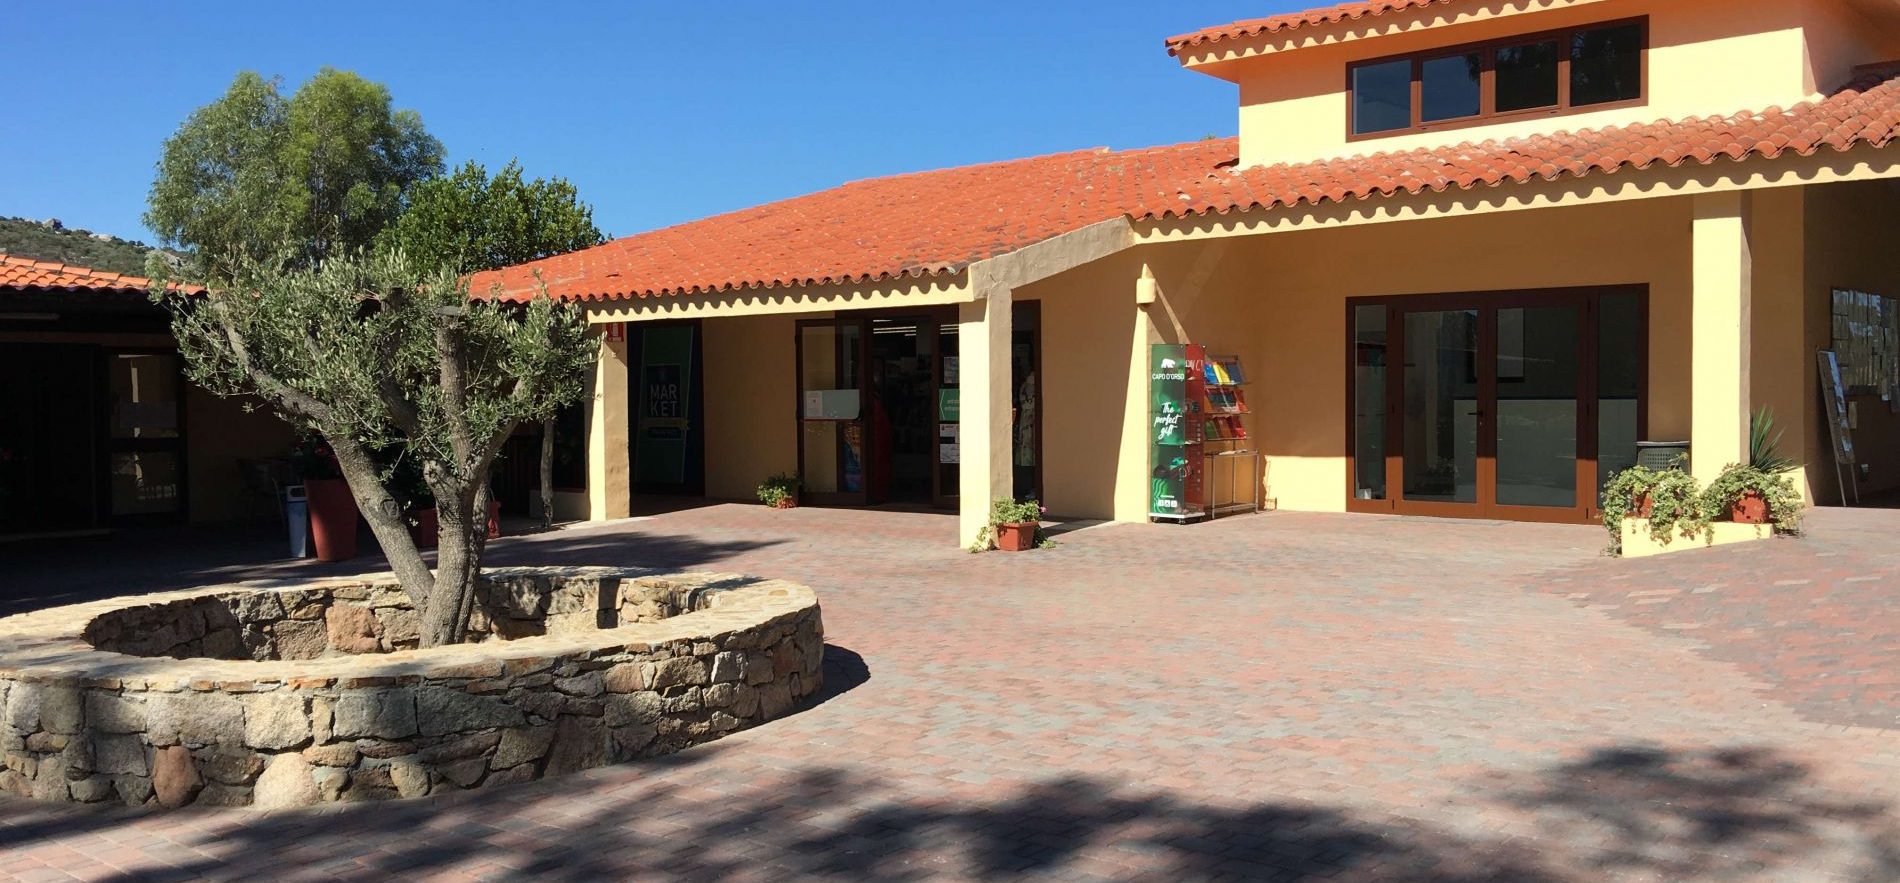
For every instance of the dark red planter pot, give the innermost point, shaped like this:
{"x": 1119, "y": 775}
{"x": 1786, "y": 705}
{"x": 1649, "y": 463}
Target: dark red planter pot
{"x": 1016, "y": 537}
{"x": 426, "y": 529}
{"x": 332, "y": 518}
{"x": 1644, "y": 506}
{"x": 494, "y": 519}
{"x": 1751, "y": 508}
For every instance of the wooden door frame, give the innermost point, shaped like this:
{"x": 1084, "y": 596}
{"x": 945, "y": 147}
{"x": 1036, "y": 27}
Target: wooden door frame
{"x": 1588, "y": 300}
{"x": 863, "y": 323}
{"x": 178, "y": 445}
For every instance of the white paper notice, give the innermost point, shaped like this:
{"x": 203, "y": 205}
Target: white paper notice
{"x": 947, "y": 453}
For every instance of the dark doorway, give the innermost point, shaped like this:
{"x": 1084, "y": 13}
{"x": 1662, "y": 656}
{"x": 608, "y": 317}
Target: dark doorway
{"x": 49, "y": 452}
{"x": 667, "y": 434}
{"x": 904, "y": 431}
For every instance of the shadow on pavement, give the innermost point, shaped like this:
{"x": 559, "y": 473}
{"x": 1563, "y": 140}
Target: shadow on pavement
{"x": 1623, "y": 811}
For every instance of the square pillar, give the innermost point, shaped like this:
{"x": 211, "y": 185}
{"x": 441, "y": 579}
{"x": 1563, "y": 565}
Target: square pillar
{"x": 1723, "y": 293}
{"x": 609, "y": 478}
{"x": 986, "y": 410}
{"x": 1133, "y": 472}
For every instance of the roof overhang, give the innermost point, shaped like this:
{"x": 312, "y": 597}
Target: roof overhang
{"x": 1219, "y": 51}
{"x": 1863, "y": 163}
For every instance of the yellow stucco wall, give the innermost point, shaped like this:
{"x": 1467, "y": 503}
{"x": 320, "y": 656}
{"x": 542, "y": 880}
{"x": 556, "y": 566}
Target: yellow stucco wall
{"x": 750, "y": 387}
{"x": 1706, "y": 57}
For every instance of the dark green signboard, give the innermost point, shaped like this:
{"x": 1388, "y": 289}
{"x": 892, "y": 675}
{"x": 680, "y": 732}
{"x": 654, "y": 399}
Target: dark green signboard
{"x": 1168, "y": 435}
{"x": 665, "y": 378}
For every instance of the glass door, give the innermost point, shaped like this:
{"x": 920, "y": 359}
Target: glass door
{"x": 1510, "y": 405}
{"x": 832, "y": 445}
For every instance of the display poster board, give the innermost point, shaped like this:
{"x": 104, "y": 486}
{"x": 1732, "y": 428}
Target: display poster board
{"x": 1834, "y": 401}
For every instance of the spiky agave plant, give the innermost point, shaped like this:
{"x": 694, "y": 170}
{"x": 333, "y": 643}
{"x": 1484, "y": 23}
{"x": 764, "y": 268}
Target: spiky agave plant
{"x": 1764, "y": 444}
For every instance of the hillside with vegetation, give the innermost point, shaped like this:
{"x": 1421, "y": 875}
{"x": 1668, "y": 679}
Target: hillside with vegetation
{"x": 52, "y": 241}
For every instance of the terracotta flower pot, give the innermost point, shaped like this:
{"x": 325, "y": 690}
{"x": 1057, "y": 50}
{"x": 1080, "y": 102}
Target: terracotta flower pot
{"x": 1750, "y": 508}
{"x": 1642, "y": 506}
{"x": 494, "y": 519}
{"x": 787, "y": 503}
{"x": 1019, "y": 537}
{"x": 332, "y": 518}
{"x": 426, "y": 530}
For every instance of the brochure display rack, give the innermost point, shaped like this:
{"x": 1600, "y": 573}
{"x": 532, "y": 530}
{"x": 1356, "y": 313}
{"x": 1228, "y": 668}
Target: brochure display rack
{"x": 1231, "y": 473}
{"x": 1201, "y": 461}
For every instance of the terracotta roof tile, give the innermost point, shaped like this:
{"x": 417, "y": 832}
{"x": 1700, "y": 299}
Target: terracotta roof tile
{"x": 1325, "y": 15}
{"x": 28, "y": 273}
{"x": 942, "y": 221}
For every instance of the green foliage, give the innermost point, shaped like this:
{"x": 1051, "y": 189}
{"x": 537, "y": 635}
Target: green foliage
{"x": 467, "y": 221}
{"x": 325, "y": 170}
{"x": 1011, "y": 511}
{"x": 1764, "y": 444}
{"x": 371, "y": 350}
{"x": 1776, "y": 488}
{"x": 26, "y": 238}
{"x": 777, "y": 489}
{"x": 1675, "y": 501}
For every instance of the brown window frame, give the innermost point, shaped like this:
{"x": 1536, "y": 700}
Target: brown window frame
{"x": 1487, "y": 80}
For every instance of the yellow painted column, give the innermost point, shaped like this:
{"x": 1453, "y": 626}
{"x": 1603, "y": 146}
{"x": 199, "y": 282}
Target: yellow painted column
{"x": 609, "y": 478}
{"x": 1720, "y": 342}
{"x": 1132, "y": 470}
{"x": 986, "y": 423}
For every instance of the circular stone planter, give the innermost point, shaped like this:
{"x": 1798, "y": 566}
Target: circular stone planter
{"x": 316, "y": 692}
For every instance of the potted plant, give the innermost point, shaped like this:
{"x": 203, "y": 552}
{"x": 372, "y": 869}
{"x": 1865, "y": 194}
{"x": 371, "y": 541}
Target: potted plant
{"x": 780, "y": 491}
{"x": 1749, "y": 495}
{"x": 1668, "y": 498}
{"x": 1014, "y": 526}
{"x": 418, "y": 502}
{"x": 1762, "y": 491}
{"x": 332, "y": 506}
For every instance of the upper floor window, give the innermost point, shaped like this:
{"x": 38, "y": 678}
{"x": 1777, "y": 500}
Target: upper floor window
{"x": 1581, "y": 68}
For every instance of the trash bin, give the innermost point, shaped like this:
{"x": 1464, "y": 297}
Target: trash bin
{"x": 1660, "y": 455}
{"x": 297, "y": 516}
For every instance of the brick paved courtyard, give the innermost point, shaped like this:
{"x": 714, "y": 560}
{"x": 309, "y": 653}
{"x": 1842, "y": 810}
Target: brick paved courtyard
{"x": 1280, "y": 697}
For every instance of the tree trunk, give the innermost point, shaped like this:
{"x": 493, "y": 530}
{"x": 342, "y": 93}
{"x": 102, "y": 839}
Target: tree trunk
{"x": 463, "y": 515}
{"x": 386, "y": 521}
{"x": 547, "y": 474}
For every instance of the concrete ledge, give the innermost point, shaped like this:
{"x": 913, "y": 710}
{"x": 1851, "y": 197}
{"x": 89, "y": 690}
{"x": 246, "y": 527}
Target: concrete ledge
{"x": 1637, "y": 543}
{"x": 232, "y": 697}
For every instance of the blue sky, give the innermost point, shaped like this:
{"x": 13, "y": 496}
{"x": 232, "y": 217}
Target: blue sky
{"x": 659, "y": 113}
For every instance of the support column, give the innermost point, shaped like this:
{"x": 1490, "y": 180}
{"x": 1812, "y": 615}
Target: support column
{"x": 609, "y": 479}
{"x": 1132, "y": 471}
{"x": 987, "y": 423}
{"x": 1723, "y": 269}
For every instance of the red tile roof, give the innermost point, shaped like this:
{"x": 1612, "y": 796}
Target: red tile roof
{"x": 29, "y": 273}
{"x": 1325, "y": 15}
{"x": 942, "y": 221}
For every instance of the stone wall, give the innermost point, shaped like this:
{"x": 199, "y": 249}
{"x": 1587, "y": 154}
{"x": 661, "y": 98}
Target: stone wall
{"x": 314, "y": 693}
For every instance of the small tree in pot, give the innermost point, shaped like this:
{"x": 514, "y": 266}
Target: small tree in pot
{"x": 370, "y": 353}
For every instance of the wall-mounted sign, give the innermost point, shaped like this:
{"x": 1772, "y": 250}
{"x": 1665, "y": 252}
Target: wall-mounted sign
{"x": 831, "y": 404}
{"x": 948, "y": 406}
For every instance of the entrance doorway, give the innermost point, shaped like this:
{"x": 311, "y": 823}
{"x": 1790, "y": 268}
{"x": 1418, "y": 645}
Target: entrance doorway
{"x": 1515, "y": 405}
{"x": 879, "y": 407}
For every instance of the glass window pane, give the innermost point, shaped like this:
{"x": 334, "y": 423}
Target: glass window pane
{"x": 144, "y": 390}
{"x": 144, "y": 483}
{"x": 949, "y": 442}
{"x": 1527, "y": 76}
{"x": 1538, "y": 380}
{"x": 1449, "y": 87}
{"x": 1619, "y": 383}
{"x": 1606, "y": 64}
{"x": 1441, "y": 406}
{"x": 1382, "y": 97}
{"x": 1369, "y": 373}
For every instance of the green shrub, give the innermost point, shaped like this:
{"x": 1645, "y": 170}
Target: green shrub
{"x": 1675, "y": 504}
{"x": 779, "y": 488}
{"x": 1777, "y": 488}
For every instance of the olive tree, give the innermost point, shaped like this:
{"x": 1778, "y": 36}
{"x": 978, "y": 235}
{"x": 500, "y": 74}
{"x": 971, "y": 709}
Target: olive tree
{"x": 373, "y": 354}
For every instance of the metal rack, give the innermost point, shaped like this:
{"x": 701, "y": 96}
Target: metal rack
{"x": 1231, "y": 461}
